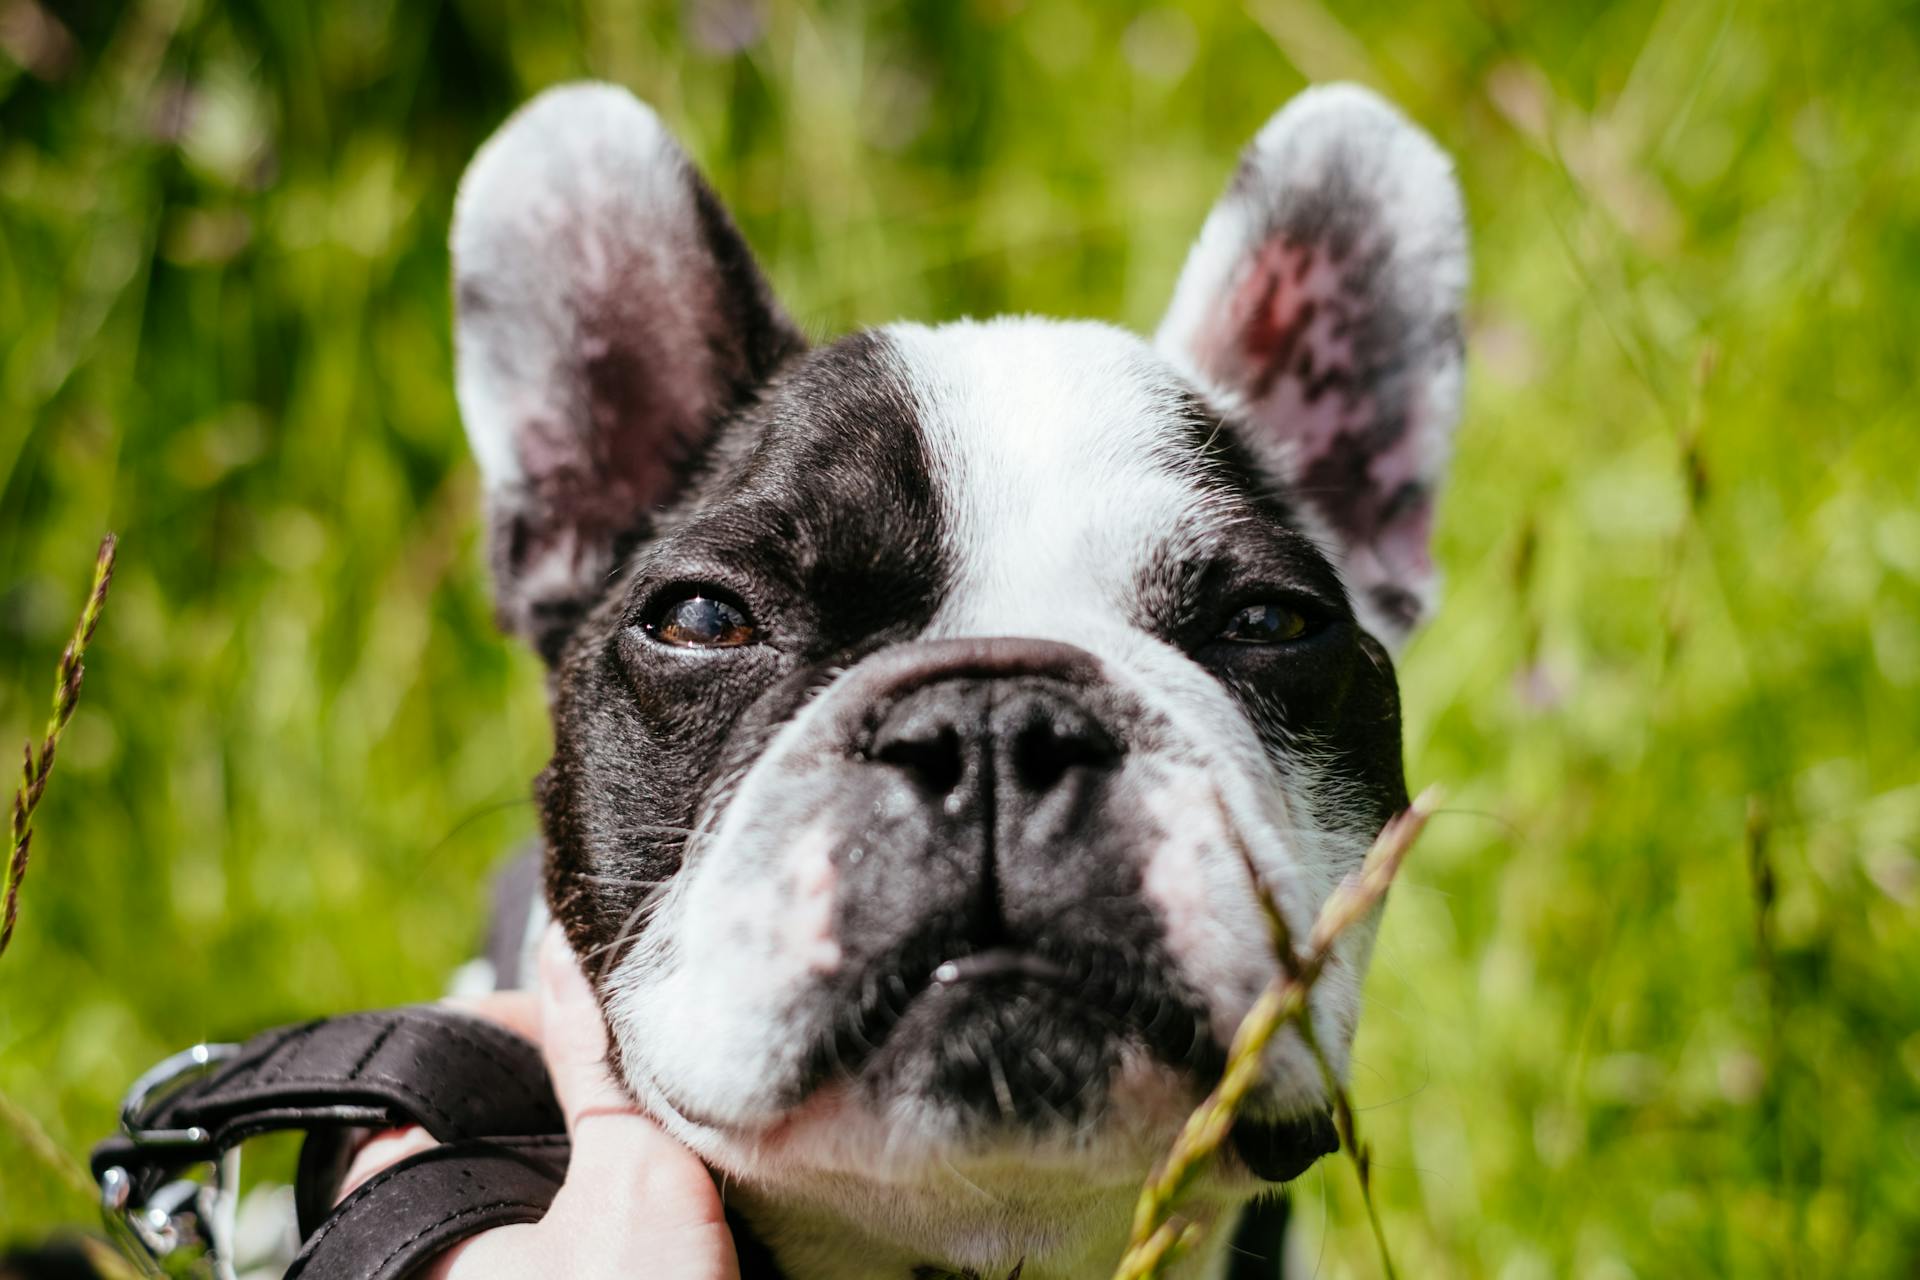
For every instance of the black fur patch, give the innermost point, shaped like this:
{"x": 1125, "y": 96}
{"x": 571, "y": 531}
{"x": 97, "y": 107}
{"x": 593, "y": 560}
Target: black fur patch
{"x": 1334, "y": 690}
{"x": 815, "y": 510}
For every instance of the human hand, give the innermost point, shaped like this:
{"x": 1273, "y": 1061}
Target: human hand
{"x": 635, "y": 1202}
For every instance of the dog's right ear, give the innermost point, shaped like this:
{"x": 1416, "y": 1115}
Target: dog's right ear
{"x": 1320, "y": 311}
{"x": 608, "y": 316}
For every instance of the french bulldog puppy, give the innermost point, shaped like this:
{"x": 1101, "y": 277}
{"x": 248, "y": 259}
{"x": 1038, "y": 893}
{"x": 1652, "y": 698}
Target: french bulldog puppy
{"x": 920, "y": 697}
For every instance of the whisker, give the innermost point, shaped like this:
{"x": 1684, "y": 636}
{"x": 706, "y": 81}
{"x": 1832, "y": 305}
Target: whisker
{"x": 634, "y": 881}
{"x": 627, "y": 931}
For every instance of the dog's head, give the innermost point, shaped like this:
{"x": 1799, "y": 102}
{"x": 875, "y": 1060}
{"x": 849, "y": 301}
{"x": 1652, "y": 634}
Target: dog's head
{"x": 921, "y": 697}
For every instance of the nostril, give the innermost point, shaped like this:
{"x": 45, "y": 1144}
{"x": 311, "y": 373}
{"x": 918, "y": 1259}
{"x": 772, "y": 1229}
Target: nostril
{"x": 980, "y": 734}
{"x": 932, "y": 755}
{"x": 1044, "y": 749}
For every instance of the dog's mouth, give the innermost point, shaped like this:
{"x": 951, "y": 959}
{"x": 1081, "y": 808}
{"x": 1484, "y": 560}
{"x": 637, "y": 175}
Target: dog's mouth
{"x": 1032, "y": 1036}
{"x": 938, "y": 984}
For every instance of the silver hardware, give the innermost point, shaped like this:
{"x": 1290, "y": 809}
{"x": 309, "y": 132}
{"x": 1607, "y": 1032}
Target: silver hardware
{"x": 186, "y": 1216}
{"x": 169, "y": 1073}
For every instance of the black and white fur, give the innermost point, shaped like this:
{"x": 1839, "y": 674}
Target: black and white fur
{"x": 923, "y": 917}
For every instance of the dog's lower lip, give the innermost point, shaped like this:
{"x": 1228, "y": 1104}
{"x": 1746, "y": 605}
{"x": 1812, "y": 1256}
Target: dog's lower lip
{"x": 995, "y": 962}
{"x": 1095, "y": 991}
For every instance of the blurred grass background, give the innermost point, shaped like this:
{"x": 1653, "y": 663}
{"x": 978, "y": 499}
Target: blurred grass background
{"x": 1679, "y": 661}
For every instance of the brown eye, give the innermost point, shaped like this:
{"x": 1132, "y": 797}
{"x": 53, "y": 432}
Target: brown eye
{"x": 1265, "y": 624}
{"x": 702, "y": 622}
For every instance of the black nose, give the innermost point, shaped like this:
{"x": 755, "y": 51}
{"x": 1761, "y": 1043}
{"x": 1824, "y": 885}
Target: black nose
{"x": 1012, "y": 738}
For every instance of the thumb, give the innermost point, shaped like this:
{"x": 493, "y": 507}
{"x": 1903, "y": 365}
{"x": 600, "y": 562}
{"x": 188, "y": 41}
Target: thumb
{"x": 623, "y": 1163}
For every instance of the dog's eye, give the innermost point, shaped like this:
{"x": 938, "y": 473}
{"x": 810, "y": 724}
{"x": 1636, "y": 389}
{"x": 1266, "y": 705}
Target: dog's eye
{"x": 702, "y": 622}
{"x": 1266, "y": 624}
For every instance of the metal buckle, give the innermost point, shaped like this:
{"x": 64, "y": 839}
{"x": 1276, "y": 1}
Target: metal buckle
{"x": 188, "y": 1218}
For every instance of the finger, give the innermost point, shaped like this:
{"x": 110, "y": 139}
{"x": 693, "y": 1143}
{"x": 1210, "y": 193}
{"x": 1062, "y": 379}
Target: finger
{"x": 388, "y": 1147}
{"x": 517, "y": 1011}
{"x": 573, "y": 1034}
{"x": 620, "y": 1157}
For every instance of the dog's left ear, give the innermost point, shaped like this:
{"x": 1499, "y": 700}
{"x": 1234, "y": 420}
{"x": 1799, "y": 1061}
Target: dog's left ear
{"x": 1320, "y": 310}
{"x": 608, "y": 318}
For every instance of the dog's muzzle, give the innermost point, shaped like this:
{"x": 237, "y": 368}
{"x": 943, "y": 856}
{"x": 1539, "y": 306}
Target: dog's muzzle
{"x": 997, "y": 954}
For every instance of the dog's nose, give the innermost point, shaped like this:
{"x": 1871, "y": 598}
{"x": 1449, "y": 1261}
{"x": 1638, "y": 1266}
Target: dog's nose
{"x": 1007, "y": 739}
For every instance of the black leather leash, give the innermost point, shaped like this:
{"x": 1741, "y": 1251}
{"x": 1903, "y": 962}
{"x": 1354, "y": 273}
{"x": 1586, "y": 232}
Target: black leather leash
{"x": 479, "y": 1089}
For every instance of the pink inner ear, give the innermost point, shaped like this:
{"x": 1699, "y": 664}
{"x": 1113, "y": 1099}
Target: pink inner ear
{"x": 597, "y": 467}
{"x": 1291, "y": 339}
{"x": 1286, "y": 339}
{"x": 1406, "y": 543}
{"x": 1321, "y": 375}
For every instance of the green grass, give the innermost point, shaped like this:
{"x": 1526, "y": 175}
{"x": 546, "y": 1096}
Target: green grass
{"x": 1683, "y": 542}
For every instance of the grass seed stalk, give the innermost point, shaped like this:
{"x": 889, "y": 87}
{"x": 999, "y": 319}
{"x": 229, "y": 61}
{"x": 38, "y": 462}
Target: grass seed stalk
{"x": 35, "y": 769}
{"x": 1160, "y": 1235}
